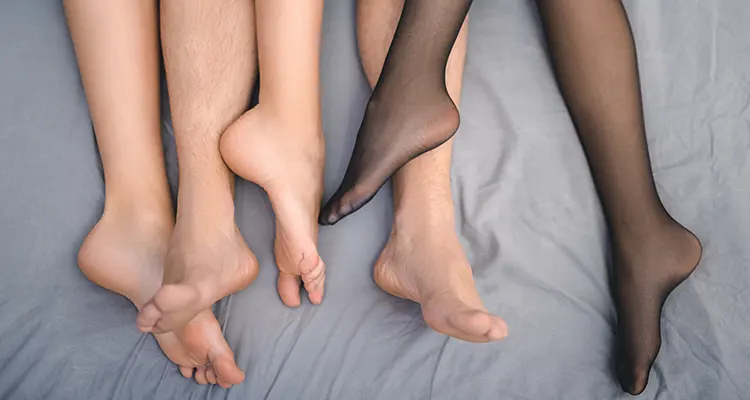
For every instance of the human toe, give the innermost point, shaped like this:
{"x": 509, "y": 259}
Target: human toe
{"x": 288, "y": 287}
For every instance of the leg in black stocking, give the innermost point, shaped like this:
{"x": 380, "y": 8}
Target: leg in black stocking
{"x": 595, "y": 62}
{"x": 409, "y": 111}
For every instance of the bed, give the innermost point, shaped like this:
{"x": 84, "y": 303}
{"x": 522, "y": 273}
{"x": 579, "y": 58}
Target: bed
{"x": 527, "y": 211}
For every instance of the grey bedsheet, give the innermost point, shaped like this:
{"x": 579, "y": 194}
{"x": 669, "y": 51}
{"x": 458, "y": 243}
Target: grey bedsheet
{"x": 528, "y": 217}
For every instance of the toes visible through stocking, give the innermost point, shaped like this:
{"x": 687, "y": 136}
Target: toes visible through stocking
{"x": 410, "y": 111}
{"x": 648, "y": 269}
{"x": 390, "y": 136}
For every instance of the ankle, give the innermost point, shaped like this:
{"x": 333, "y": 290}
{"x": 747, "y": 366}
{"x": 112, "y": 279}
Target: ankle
{"x": 148, "y": 218}
{"x": 425, "y": 218}
{"x": 641, "y": 228}
{"x": 428, "y": 199}
{"x": 666, "y": 237}
{"x": 140, "y": 208}
{"x": 293, "y": 115}
{"x": 205, "y": 218}
{"x": 206, "y": 198}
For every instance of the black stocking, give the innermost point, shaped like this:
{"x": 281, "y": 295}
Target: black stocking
{"x": 409, "y": 111}
{"x": 595, "y": 62}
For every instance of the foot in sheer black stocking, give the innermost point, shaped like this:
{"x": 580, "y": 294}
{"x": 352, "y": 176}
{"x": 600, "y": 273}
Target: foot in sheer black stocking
{"x": 409, "y": 111}
{"x": 648, "y": 267}
{"x": 594, "y": 57}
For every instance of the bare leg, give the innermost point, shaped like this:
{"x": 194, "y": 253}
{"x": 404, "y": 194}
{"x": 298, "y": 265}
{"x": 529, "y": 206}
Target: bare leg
{"x": 210, "y": 62}
{"x": 118, "y": 53}
{"x": 595, "y": 61}
{"x": 423, "y": 260}
{"x": 279, "y": 144}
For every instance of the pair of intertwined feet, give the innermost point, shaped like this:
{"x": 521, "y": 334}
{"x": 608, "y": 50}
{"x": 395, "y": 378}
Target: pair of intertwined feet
{"x": 175, "y": 273}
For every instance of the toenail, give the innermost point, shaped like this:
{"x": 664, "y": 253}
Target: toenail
{"x": 331, "y": 218}
{"x": 345, "y": 208}
{"x": 496, "y": 333}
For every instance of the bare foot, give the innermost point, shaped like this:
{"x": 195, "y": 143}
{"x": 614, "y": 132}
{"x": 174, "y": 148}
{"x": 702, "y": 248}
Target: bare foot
{"x": 126, "y": 255}
{"x": 207, "y": 260}
{"x": 205, "y": 345}
{"x": 286, "y": 159}
{"x": 426, "y": 264}
{"x": 647, "y": 268}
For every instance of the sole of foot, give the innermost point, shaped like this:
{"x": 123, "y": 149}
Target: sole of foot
{"x": 386, "y": 141}
{"x": 428, "y": 266}
{"x": 126, "y": 256}
{"x": 647, "y": 270}
{"x": 287, "y": 162}
{"x": 205, "y": 263}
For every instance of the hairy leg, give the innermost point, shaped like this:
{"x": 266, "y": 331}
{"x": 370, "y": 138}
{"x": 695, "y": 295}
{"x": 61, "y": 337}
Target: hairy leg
{"x": 118, "y": 54}
{"x": 210, "y": 63}
{"x": 410, "y": 111}
{"x": 595, "y": 63}
{"x": 423, "y": 260}
{"x": 279, "y": 144}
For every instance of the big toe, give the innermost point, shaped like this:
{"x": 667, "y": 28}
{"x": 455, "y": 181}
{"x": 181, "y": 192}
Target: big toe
{"x": 222, "y": 383}
{"x": 147, "y": 317}
{"x": 333, "y": 211}
{"x": 344, "y": 202}
{"x": 225, "y": 368}
{"x": 470, "y": 325}
{"x": 288, "y": 287}
{"x": 477, "y": 326}
{"x": 633, "y": 378}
